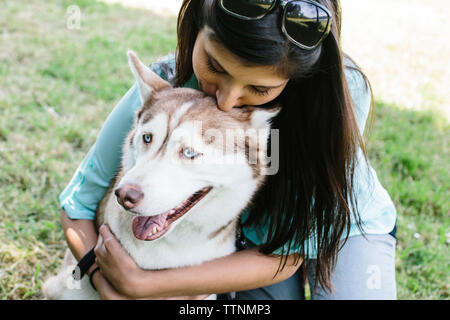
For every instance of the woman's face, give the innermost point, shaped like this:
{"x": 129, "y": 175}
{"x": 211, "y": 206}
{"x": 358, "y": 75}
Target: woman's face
{"x": 222, "y": 75}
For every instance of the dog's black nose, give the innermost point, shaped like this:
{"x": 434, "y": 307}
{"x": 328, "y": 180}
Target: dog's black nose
{"x": 129, "y": 196}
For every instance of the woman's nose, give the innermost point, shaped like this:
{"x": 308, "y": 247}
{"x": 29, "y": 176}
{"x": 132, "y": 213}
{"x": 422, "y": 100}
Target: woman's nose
{"x": 228, "y": 97}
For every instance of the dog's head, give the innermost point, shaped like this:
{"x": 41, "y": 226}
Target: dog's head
{"x": 184, "y": 157}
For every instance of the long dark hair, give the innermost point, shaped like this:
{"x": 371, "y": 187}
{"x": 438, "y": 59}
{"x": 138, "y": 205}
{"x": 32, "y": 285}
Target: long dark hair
{"x": 312, "y": 193}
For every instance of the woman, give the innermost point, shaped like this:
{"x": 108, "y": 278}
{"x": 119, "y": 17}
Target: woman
{"x": 324, "y": 210}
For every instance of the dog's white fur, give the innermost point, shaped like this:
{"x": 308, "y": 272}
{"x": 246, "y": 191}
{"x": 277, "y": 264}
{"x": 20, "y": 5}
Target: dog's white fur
{"x": 208, "y": 230}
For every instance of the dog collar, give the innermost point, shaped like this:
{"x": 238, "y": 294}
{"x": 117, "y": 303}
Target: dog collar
{"x": 83, "y": 265}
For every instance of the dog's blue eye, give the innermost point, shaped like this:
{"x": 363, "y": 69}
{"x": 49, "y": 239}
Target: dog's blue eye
{"x": 189, "y": 153}
{"x": 147, "y": 138}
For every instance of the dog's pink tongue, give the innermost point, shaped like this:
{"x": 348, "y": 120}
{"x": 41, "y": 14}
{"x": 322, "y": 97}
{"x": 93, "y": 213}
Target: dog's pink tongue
{"x": 143, "y": 226}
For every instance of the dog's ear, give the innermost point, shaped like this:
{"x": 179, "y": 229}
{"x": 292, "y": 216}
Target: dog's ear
{"x": 147, "y": 81}
{"x": 261, "y": 117}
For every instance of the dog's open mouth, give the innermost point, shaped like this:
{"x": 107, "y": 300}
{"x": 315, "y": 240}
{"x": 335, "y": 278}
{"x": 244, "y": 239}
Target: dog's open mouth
{"x": 153, "y": 227}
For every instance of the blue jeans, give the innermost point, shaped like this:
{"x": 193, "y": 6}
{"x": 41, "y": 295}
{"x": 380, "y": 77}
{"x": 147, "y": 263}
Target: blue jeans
{"x": 365, "y": 270}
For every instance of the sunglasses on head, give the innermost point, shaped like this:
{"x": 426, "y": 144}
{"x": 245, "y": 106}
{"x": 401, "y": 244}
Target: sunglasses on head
{"x": 305, "y": 23}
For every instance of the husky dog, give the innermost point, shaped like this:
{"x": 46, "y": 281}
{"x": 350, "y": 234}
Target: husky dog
{"x": 176, "y": 199}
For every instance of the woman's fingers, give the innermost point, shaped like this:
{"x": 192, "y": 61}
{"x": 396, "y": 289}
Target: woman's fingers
{"x": 99, "y": 251}
{"x": 99, "y": 246}
{"x": 101, "y": 254}
{"x": 115, "y": 263}
{"x": 110, "y": 241}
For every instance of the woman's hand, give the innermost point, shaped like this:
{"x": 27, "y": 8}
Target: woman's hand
{"x": 115, "y": 263}
{"x": 120, "y": 270}
{"x": 105, "y": 290}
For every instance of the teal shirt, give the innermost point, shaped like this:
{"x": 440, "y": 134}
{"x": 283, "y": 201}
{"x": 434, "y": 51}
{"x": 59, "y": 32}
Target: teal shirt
{"x": 91, "y": 180}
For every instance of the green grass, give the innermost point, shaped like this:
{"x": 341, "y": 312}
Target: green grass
{"x": 409, "y": 151}
{"x": 57, "y": 87}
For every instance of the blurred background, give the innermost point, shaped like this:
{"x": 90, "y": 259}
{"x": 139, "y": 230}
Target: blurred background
{"x": 63, "y": 68}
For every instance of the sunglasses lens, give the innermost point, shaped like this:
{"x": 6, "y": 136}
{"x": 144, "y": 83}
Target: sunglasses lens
{"x": 248, "y": 8}
{"x": 305, "y": 22}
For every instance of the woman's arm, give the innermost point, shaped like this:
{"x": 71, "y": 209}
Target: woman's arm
{"x": 81, "y": 236}
{"x": 243, "y": 270}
